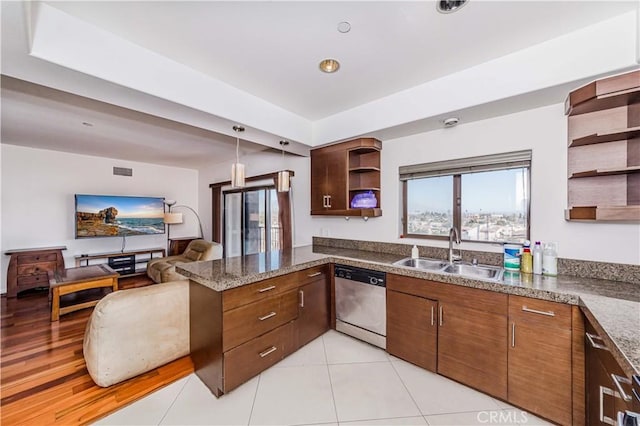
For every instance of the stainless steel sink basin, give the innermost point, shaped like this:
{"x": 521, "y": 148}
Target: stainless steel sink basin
{"x": 473, "y": 271}
{"x": 422, "y": 263}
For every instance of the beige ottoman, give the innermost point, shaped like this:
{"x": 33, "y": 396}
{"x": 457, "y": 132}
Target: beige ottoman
{"x": 133, "y": 331}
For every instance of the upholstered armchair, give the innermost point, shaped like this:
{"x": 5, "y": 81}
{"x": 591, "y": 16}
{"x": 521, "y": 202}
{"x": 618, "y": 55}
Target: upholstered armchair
{"x": 163, "y": 269}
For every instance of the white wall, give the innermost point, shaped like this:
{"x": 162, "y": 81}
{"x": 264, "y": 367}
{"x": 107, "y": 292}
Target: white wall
{"x": 258, "y": 164}
{"x": 544, "y": 130}
{"x": 38, "y": 188}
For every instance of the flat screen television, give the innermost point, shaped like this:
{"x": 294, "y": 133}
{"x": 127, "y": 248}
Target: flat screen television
{"x": 118, "y": 216}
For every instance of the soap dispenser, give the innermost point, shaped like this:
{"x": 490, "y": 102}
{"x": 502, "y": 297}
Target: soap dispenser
{"x": 414, "y": 252}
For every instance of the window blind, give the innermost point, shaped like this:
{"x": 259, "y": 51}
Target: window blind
{"x": 483, "y": 163}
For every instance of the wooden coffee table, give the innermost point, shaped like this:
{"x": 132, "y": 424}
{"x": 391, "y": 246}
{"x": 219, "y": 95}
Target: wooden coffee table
{"x": 73, "y": 280}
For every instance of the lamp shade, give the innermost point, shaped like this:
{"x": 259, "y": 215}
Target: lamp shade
{"x": 283, "y": 181}
{"x": 237, "y": 175}
{"x": 172, "y": 218}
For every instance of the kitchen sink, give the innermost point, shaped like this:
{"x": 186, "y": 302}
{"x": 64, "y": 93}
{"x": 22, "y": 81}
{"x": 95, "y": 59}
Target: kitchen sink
{"x": 463, "y": 269}
{"x": 474, "y": 271}
{"x": 423, "y": 263}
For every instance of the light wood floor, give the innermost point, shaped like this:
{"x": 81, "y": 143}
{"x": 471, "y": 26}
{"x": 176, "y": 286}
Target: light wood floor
{"x": 43, "y": 377}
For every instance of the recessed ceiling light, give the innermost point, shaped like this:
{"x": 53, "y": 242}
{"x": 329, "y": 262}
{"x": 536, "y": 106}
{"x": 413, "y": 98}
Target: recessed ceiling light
{"x": 451, "y": 121}
{"x": 450, "y": 6}
{"x": 329, "y": 65}
{"x": 344, "y": 27}
{"x": 86, "y": 123}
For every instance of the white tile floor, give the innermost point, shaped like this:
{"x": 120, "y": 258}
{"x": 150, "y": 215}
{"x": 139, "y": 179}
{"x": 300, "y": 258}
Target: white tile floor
{"x": 333, "y": 380}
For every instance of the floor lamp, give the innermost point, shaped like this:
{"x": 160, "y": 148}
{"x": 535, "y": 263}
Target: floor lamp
{"x": 171, "y": 219}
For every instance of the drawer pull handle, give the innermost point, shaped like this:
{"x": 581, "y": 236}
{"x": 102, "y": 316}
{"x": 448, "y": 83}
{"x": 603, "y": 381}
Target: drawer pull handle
{"x": 432, "y": 315}
{"x": 314, "y": 274}
{"x": 591, "y": 337}
{"x": 262, "y": 290}
{"x": 616, "y": 381}
{"x": 37, "y": 257}
{"x": 269, "y": 315}
{"x": 604, "y": 419}
{"x": 271, "y": 350}
{"x": 301, "y": 292}
{"x": 513, "y": 334}
{"x": 441, "y": 316}
{"x": 535, "y": 311}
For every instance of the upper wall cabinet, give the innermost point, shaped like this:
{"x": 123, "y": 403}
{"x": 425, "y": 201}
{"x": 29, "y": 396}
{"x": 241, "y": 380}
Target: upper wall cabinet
{"x": 342, "y": 172}
{"x": 604, "y": 150}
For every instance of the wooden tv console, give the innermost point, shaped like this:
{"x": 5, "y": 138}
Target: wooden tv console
{"x": 124, "y": 262}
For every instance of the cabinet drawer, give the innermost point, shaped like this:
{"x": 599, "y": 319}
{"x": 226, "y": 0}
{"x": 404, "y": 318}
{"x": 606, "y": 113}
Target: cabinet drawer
{"x": 33, "y": 280}
{"x": 246, "y": 322}
{"x": 36, "y": 268}
{"x": 255, "y": 356}
{"x": 539, "y": 312}
{"x": 261, "y": 290}
{"x": 35, "y": 258}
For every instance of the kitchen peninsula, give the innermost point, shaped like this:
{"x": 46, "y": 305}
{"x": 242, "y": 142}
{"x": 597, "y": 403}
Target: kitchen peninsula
{"x": 249, "y": 312}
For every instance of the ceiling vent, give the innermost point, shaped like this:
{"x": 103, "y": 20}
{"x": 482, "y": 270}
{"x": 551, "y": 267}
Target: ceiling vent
{"x": 122, "y": 171}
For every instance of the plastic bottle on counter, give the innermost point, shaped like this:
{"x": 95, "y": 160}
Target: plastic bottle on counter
{"x": 537, "y": 258}
{"x": 550, "y": 260}
{"x": 414, "y": 252}
{"x": 526, "y": 260}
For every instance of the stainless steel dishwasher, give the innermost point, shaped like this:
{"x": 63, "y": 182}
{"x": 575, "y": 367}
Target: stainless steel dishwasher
{"x": 361, "y": 304}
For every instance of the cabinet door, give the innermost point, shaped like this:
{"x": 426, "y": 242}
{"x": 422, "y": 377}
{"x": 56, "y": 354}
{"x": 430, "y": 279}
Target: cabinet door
{"x": 313, "y": 316}
{"x": 328, "y": 180}
{"x": 540, "y": 358}
{"x": 472, "y": 347}
{"x": 412, "y": 330}
{"x": 319, "y": 169}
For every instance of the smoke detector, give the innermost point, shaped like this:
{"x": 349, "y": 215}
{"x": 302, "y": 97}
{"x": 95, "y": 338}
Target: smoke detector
{"x": 451, "y": 121}
{"x": 450, "y": 6}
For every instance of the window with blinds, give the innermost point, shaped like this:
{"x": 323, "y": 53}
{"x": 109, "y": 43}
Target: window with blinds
{"x": 485, "y": 198}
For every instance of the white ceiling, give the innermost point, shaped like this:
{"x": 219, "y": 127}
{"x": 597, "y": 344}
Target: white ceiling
{"x": 272, "y": 49}
{"x": 269, "y": 50}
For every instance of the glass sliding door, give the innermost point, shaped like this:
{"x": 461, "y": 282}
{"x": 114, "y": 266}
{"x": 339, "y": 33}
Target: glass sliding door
{"x": 251, "y": 221}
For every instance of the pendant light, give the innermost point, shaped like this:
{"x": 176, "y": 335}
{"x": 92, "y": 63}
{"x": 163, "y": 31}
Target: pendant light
{"x": 284, "y": 178}
{"x": 237, "y": 169}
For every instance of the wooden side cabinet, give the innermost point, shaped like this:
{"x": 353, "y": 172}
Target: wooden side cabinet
{"x": 342, "y": 171}
{"x": 28, "y": 268}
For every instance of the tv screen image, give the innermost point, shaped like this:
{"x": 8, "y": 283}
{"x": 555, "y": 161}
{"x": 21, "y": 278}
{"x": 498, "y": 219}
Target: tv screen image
{"x": 118, "y": 216}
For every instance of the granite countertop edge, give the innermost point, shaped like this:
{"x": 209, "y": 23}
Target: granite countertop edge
{"x": 625, "y": 349}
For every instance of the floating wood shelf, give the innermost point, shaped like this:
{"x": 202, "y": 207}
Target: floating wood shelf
{"x": 603, "y": 157}
{"x": 372, "y": 212}
{"x": 604, "y": 213}
{"x": 364, "y": 169}
{"x": 607, "y": 93}
{"x": 606, "y": 172}
{"x": 610, "y": 136}
{"x": 364, "y": 188}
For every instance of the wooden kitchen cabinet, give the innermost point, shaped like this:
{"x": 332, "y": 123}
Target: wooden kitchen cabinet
{"x": 540, "y": 358}
{"x": 412, "y": 331}
{"x": 240, "y": 332}
{"x": 328, "y": 180}
{"x": 313, "y": 313}
{"x": 604, "y": 400}
{"x": 339, "y": 172}
{"x": 471, "y": 331}
{"x": 604, "y": 149}
{"x": 472, "y": 339}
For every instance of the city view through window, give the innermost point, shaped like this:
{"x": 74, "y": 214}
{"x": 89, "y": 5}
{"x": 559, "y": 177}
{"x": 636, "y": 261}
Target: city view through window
{"x": 494, "y": 205}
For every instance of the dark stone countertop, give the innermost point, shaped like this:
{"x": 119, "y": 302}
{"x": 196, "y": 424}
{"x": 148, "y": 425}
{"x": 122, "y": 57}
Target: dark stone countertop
{"x": 612, "y": 306}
